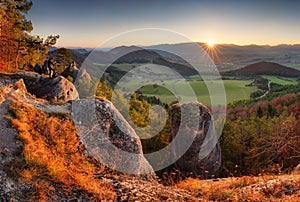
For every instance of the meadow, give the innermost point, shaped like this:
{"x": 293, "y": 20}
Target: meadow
{"x": 281, "y": 80}
{"x": 235, "y": 90}
{"x": 152, "y": 80}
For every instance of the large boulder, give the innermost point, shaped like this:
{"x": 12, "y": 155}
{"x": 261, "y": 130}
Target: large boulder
{"x": 108, "y": 137}
{"x": 75, "y": 73}
{"x": 56, "y": 89}
{"x": 203, "y": 157}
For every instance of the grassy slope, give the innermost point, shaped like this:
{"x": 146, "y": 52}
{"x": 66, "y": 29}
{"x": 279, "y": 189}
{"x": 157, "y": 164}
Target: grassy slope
{"x": 53, "y": 154}
{"x": 247, "y": 188}
{"x": 281, "y": 80}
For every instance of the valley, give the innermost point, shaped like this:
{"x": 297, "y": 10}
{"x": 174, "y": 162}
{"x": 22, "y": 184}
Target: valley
{"x": 205, "y": 107}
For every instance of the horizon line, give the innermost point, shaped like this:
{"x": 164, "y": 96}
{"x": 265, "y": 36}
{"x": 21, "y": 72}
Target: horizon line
{"x": 216, "y": 44}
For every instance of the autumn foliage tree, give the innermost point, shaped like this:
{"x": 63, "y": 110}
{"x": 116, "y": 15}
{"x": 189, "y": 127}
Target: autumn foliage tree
{"x": 18, "y": 49}
{"x": 265, "y": 141}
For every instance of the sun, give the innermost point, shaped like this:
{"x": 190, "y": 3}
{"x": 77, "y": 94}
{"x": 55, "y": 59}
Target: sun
{"x": 211, "y": 43}
{"x": 212, "y": 49}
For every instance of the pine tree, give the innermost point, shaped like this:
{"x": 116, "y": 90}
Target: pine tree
{"x": 18, "y": 49}
{"x": 271, "y": 111}
{"x": 260, "y": 112}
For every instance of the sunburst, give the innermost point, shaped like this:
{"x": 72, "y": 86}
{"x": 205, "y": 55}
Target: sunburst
{"x": 211, "y": 43}
{"x": 213, "y": 50}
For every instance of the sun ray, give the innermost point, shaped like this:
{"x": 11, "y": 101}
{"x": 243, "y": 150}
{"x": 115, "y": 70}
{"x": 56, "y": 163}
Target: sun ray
{"x": 213, "y": 50}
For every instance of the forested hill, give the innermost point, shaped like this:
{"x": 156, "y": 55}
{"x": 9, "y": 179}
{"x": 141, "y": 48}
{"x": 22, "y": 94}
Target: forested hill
{"x": 264, "y": 68}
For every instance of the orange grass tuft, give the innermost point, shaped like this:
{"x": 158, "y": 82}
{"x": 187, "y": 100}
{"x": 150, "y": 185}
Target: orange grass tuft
{"x": 247, "y": 188}
{"x": 53, "y": 152}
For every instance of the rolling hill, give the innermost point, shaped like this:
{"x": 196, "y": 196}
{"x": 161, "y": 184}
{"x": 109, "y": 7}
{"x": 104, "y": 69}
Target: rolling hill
{"x": 125, "y": 55}
{"x": 225, "y": 56}
{"x": 65, "y": 56}
{"x": 117, "y": 70}
{"x": 231, "y": 56}
{"x": 121, "y": 50}
{"x": 138, "y": 56}
{"x": 239, "y": 60}
{"x": 183, "y": 69}
{"x": 264, "y": 68}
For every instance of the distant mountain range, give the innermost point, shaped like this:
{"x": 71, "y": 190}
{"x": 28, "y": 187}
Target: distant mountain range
{"x": 138, "y": 56}
{"x": 224, "y": 55}
{"x": 121, "y": 55}
{"x": 230, "y": 56}
{"x": 227, "y": 57}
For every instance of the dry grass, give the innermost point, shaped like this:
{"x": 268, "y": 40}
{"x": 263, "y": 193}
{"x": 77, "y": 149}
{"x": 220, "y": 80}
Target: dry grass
{"x": 247, "y": 188}
{"x": 53, "y": 154}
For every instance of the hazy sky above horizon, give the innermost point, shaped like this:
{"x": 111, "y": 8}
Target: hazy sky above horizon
{"x": 91, "y": 22}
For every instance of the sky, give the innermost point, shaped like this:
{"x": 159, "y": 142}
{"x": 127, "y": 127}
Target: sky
{"x": 88, "y": 23}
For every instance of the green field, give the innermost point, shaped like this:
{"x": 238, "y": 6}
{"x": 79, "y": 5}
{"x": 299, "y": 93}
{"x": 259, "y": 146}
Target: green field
{"x": 235, "y": 90}
{"x": 282, "y": 80}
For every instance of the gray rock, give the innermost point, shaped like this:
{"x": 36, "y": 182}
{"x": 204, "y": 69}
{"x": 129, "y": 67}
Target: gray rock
{"x": 74, "y": 72}
{"x": 203, "y": 156}
{"x": 108, "y": 137}
{"x": 56, "y": 89}
{"x": 71, "y": 71}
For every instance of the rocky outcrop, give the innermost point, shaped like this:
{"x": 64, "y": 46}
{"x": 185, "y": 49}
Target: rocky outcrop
{"x": 116, "y": 130}
{"x": 194, "y": 122}
{"x": 83, "y": 74}
{"x": 10, "y": 147}
{"x": 75, "y": 73}
{"x": 71, "y": 71}
{"x": 103, "y": 131}
{"x": 56, "y": 89}
{"x": 108, "y": 137}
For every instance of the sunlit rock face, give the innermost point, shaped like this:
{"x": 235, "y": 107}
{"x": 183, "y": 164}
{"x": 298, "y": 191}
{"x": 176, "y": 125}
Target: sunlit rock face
{"x": 203, "y": 156}
{"x": 54, "y": 90}
{"x": 108, "y": 137}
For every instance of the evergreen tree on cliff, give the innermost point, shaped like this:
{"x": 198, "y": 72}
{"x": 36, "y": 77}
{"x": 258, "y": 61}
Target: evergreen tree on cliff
{"x": 18, "y": 49}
